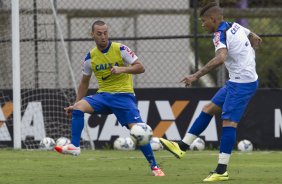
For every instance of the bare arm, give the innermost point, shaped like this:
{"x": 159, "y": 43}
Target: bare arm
{"x": 136, "y": 68}
{"x": 218, "y": 60}
{"x": 255, "y": 40}
{"x": 83, "y": 87}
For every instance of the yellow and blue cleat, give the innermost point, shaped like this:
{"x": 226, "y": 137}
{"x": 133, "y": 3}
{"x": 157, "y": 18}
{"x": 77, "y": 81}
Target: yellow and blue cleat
{"x": 216, "y": 177}
{"x": 173, "y": 147}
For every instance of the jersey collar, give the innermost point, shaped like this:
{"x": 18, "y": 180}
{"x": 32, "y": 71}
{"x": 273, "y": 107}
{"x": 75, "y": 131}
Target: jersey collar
{"x": 107, "y": 49}
{"x": 223, "y": 26}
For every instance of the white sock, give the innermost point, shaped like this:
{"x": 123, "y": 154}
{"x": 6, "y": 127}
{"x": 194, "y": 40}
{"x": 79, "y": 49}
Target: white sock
{"x": 223, "y": 158}
{"x": 189, "y": 138}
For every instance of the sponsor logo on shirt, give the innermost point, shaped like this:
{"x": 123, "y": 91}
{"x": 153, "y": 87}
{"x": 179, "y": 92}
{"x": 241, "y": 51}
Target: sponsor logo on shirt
{"x": 129, "y": 51}
{"x": 216, "y": 38}
{"x": 105, "y": 66}
{"x": 235, "y": 29}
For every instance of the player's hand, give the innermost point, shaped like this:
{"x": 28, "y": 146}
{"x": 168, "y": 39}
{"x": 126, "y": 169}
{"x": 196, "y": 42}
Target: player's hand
{"x": 256, "y": 43}
{"x": 117, "y": 70}
{"x": 189, "y": 80}
{"x": 68, "y": 110}
{"x": 255, "y": 40}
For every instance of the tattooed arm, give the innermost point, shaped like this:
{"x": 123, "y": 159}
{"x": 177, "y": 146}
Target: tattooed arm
{"x": 255, "y": 40}
{"x": 218, "y": 60}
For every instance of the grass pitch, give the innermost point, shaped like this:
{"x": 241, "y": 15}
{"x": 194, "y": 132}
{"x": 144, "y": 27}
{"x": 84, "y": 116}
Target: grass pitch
{"x": 126, "y": 167}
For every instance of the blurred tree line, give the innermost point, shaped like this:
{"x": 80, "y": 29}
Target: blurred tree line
{"x": 268, "y": 56}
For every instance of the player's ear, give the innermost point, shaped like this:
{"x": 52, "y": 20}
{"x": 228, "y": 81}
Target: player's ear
{"x": 92, "y": 34}
{"x": 213, "y": 19}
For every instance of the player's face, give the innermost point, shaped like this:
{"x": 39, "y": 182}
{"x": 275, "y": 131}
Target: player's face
{"x": 208, "y": 24}
{"x": 101, "y": 36}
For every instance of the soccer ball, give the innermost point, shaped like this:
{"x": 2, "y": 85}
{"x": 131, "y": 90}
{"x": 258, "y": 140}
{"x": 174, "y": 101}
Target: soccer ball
{"x": 62, "y": 141}
{"x": 198, "y": 144}
{"x": 156, "y": 144}
{"x": 141, "y": 134}
{"x": 122, "y": 143}
{"x": 245, "y": 145}
{"x": 47, "y": 143}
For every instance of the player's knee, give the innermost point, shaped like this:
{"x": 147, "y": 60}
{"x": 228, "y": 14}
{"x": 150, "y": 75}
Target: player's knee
{"x": 207, "y": 108}
{"x": 130, "y": 125}
{"x": 83, "y": 106}
{"x": 77, "y": 106}
{"x": 211, "y": 109}
{"x": 228, "y": 123}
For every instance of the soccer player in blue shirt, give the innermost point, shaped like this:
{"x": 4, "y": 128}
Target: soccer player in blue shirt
{"x": 113, "y": 65}
{"x": 234, "y": 47}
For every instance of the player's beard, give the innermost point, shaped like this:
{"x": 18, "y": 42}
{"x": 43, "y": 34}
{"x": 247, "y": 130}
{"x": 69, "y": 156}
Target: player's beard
{"x": 103, "y": 44}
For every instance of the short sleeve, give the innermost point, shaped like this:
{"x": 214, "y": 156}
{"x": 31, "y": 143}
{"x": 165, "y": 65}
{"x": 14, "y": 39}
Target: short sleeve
{"x": 219, "y": 40}
{"x": 128, "y": 56}
{"x": 86, "y": 68}
{"x": 247, "y": 31}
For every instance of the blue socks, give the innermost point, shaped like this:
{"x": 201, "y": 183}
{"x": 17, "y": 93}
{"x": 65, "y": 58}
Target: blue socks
{"x": 228, "y": 139}
{"x": 200, "y": 124}
{"x": 77, "y": 127}
{"x": 148, "y": 153}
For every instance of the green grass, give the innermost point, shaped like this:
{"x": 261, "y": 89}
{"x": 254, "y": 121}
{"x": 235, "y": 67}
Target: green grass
{"x": 105, "y": 167}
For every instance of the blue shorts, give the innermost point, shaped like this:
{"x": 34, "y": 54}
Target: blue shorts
{"x": 233, "y": 99}
{"x": 123, "y": 105}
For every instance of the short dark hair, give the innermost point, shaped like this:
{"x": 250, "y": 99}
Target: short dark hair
{"x": 99, "y": 23}
{"x": 210, "y": 8}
